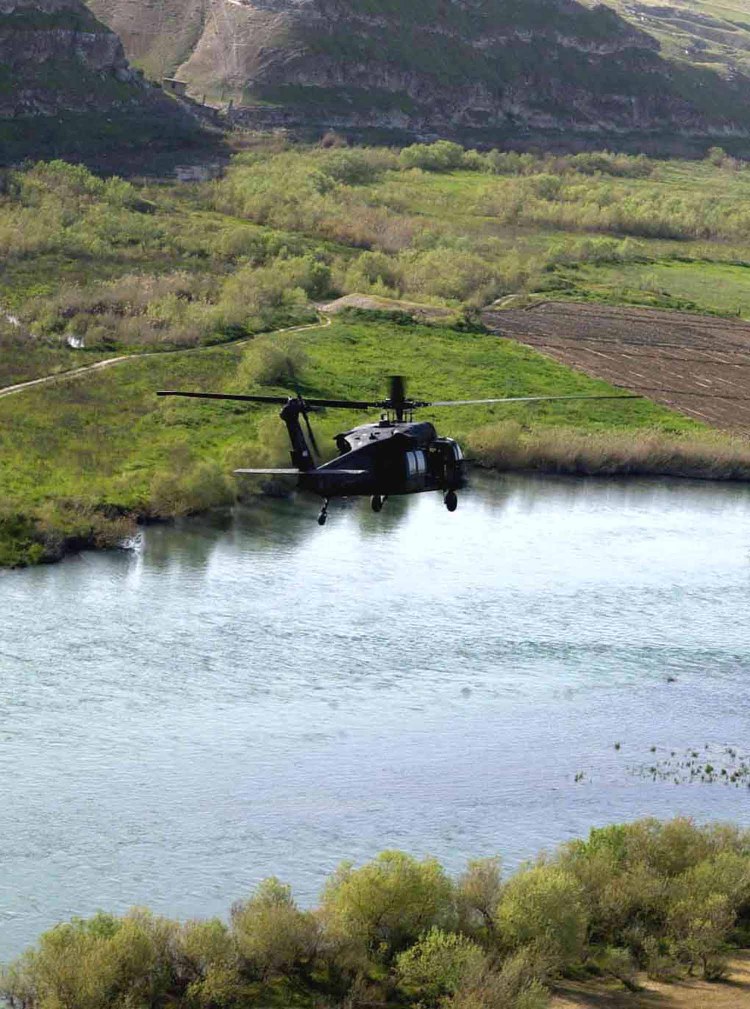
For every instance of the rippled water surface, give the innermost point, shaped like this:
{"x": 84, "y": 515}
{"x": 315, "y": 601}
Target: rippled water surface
{"x": 262, "y": 696}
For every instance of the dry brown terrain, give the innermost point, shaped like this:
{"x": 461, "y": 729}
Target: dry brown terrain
{"x": 690, "y": 994}
{"x": 700, "y": 365}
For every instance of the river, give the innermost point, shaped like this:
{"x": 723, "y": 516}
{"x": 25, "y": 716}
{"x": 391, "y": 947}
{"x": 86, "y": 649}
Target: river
{"x": 255, "y": 695}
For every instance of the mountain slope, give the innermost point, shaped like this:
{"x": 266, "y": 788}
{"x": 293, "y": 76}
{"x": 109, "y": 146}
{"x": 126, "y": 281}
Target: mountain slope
{"x": 714, "y": 34}
{"x": 66, "y": 85}
{"x": 500, "y": 65}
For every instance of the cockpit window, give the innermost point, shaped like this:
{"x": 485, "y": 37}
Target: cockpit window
{"x": 415, "y": 463}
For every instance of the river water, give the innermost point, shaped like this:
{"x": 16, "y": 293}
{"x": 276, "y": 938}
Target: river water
{"x": 253, "y": 696}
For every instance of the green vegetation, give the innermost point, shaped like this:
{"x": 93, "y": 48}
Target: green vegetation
{"x": 666, "y": 898}
{"x": 105, "y": 447}
{"x": 126, "y": 268}
{"x": 121, "y": 266}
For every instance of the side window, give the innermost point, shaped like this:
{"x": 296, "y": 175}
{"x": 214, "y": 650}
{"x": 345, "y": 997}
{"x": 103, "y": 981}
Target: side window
{"x": 458, "y": 454}
{"x": 411, "y": 464}
{"x": 420, "y": 461}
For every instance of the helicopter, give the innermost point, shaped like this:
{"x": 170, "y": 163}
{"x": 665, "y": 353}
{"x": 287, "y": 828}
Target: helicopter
{"x": 393, "y": 455}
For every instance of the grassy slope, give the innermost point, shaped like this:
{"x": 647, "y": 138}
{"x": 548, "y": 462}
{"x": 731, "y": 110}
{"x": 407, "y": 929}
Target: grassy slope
{"x": 707, "y": 33}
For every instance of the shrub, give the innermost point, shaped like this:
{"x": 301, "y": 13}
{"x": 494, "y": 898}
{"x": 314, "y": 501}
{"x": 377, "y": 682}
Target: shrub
{"x": 699, "y": 929}
{"x": 272, "y": 935}
{"x": 189, "y": 486}
{"x": 543, "y": 908}
{"x": 516, "y": 984}
{"x": 437, "y": 965}
{"x": 273, "y": 360}
{"x": 388, "y": 903}
{"x": 442, "y": 156}
{"x": 357, "y": 167}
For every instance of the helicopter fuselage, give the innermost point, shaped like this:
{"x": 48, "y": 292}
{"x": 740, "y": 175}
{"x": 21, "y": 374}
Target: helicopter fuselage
{"x": 387, "y": 458}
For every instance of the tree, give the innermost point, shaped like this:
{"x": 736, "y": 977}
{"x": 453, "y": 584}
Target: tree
{"x": 700, "y": 927}
{"x": 477, "y": 895}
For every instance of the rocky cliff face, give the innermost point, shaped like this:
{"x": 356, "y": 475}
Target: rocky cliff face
{"x": 440, "y": 65}
{"x": 60, "y": 70}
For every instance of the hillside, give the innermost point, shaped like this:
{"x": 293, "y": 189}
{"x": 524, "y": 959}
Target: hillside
{"x": 714, "y": 34}
{"x": 499, "y": 67}
{"x": 66, "y": 87}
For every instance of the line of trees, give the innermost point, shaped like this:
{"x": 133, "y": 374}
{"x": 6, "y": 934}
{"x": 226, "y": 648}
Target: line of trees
{"x": 665, "y": 897}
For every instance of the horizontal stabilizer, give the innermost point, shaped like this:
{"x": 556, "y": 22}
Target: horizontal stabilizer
{"x": 268, "y": 472}
{"x": 339, "y": 472}
{"x": 308, "y": 472}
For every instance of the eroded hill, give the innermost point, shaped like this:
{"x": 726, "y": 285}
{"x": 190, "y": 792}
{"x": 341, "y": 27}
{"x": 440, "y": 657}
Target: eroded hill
{"x": 501, "y": 66}
{"x": 66, "y": 86}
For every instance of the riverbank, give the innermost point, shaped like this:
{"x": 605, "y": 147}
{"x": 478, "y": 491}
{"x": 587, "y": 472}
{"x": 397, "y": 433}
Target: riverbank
{"x": 82, "y": 460}
{"x": 660, "y": 899}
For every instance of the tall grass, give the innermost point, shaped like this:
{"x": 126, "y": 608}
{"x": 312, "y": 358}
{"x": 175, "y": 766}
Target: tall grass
{"x": 507, "y": 446}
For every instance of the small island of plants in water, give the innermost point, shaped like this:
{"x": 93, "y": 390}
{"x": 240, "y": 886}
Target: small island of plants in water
{"x": 664, "y": 898}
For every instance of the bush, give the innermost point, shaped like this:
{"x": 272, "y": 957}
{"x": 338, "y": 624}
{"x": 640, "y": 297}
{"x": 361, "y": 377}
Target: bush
{"x": 273, "y": 360}
{"x": 543, "y": 908}
{"x": 442, "y": 156}
{"x": 272, "y": 935}
{"x": 477, "y": 895}
{"x": 188, "y": 486}
{"x": 388, "y": 903}
{"x": 437, "y": 965}
{"x": 516, "y": 984}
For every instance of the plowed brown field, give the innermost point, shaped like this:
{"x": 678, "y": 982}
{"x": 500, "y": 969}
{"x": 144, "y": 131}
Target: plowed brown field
{"x": 699, "y": 365}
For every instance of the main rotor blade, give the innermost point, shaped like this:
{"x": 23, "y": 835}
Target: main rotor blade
{"x": 523, "y": 399}
{"x": 343, "y": 404}
{"x": 223, "y": 395}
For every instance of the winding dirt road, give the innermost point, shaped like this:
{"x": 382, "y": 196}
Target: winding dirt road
{"x": 110, "y": 362}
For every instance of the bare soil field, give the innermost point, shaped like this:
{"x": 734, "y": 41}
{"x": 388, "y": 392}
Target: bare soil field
{"x": 734, "y": 993}
{"x": 699, "y": 365}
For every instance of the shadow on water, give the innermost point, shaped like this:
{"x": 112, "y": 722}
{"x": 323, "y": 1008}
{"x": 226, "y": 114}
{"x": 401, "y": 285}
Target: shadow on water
{"x": 531, "y": 489}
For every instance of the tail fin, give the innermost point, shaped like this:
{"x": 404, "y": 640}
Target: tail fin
{"x": 302, "y": 456}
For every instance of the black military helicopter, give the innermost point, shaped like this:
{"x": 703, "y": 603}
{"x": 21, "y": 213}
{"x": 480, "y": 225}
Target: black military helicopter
{"x": 394, "y": 455}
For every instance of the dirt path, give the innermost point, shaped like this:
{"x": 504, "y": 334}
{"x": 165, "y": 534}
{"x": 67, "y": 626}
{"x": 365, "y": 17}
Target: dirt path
{"x": 11, "y": 390}
{"x": 699, "y": 365}
{"x": 689, "y": 994}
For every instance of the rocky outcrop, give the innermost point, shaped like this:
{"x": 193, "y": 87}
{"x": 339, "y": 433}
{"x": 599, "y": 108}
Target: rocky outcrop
{"x": 438, "y": 65}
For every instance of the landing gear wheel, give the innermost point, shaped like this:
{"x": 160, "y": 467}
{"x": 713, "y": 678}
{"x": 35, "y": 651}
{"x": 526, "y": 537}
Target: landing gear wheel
{"x": 377, "y": 502}
{"x": 451, "y": 501}
{"x": 323, "y": 513}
